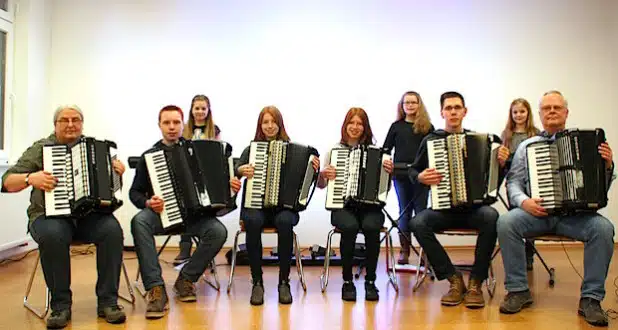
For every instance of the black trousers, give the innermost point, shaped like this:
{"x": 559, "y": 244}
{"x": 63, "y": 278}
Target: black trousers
{"x": 284, "y": 221}
{"x": 350, "y": 222}
{"x": 428, "y": 222}
{"x": 54, "y": 236}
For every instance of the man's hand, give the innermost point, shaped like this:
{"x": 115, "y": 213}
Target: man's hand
{"x": 156, "y": 203}
{"x": 533, "y": 206}
{"x": 503, "y": 155}
{"x": 388, "y": 166}
{"x": 429, "y": 177}
{"x": 118, "y": 166}
{"x": 42, "y": 180}
{"x": 606, "y": 153}
{"x": 235, "y": 184}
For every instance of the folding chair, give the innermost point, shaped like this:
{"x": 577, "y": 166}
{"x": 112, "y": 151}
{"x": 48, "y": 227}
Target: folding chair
{"x": 42, "y": 314}
{"x": 390, "y": 255}
{"x": 267, "y": 230}
{"x": 212, "y": 267}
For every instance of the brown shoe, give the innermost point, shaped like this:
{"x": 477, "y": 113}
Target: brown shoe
{"x": 185, "y": 289}
{"x": 404, "y": 252}
{"x": 157, "y": 302}
{"x": 455, "y": 294}
{"x": 474, "y": 295}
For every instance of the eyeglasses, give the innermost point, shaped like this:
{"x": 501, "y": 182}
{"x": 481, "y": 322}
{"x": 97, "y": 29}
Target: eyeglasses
{"x": 66, "y": 121}
{"x": 547, "y": 108}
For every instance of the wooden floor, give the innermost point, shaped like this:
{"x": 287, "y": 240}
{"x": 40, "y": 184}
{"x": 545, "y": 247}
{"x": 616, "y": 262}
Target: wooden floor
{"x": 553, "y": 308}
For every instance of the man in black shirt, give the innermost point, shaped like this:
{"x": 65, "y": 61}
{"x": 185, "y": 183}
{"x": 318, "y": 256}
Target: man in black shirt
{"x": 145, "y": 224}
{"x": 429, "y": 221}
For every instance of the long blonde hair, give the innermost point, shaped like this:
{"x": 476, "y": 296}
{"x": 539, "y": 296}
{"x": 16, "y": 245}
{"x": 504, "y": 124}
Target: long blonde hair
{"x": 422, "y": 124}
{"x": 209, "y": 128}
{"x": 509, "y": 129}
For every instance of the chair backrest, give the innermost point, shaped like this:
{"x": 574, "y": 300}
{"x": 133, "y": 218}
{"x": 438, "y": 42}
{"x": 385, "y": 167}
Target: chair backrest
{"x": 133, "y": 161}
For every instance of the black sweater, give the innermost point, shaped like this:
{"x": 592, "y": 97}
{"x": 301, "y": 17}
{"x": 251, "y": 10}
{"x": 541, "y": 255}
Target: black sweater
{"x": 401, "y": 136}
{"x": 141, "y": 189}
{"x": 422, "y": 160}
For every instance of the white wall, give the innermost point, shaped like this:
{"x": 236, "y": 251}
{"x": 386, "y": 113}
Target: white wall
{"x": 123, "y": 61}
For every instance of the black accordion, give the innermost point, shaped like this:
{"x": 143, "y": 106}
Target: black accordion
{"x": 283, "y": 176}
{"x": 87, "y": 181}
{"x": 470, "y": 170}
{"x": 360, "y": 177}
{"x": 568, "y": 173}
{"x": 193, "y": 178}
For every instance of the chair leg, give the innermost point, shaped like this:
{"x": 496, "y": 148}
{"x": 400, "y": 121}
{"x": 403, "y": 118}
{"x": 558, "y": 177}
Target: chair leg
{"x": 326, "y": 270}
{"x": 299, "y": 262}
{"x": 213, "y": 270}
{"x": 233, "y": 266}
{"x": 421, "y": 278}
{"x": 550, "y": 271}
{"x": 125, "y": 275}
{"x": 139, "y": 287}
{"x": 38, "y": 313}
{"x": 491, "y": 281}
{"x": 390, "y": 254}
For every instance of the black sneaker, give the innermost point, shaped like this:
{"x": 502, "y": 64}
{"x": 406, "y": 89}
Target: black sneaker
{"x": 371, "y": 292}
{"x": 592, "y": 312}
{"x": 285, "y": 295}
{"x": 157, "y": 302}
{"x": 59, "y": 319}
{"x": 348, "y": 291}
{"x": 184, "y": 255}
{"x": 257, "y": 293}
{"x": 515, "y": 302}
{"x": 185, "y": 289}
{"x": 112, "y": 314}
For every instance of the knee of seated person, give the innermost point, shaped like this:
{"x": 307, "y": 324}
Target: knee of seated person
{"x": 348, "y": 227}
{"x": 285, "y": 219}
{"x": 140, "y": 219}
{"x": 506, "y": 222}
{"x": 603, "y": 227}
{"x": 489, "y": 213}
{"x": 219, "y": 231}
{"x": 49, "y": 232}
{"x": 419, "y": 222}
{"x": 110, "y": 228}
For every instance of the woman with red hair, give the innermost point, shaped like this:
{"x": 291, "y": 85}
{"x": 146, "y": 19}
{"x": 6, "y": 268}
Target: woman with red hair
{"x": 349, "y": 220}
{"x": 270, "y": 127}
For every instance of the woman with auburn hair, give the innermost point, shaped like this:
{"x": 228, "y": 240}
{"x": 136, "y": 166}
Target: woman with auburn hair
{"x": 270, "y": 127}
{"x": 355, "y": 131}
{"x": 200, "y": 126}
{"x": 405, "y": 135}
{"x": 519, "y": 127}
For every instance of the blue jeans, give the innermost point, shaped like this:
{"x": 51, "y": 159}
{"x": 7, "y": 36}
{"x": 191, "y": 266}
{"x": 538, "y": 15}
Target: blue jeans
{"x": 146, "y": 223}
{"x": 411, "y": 197}
{"x": 593, "y": 229}
{"x": 55, "y": 235}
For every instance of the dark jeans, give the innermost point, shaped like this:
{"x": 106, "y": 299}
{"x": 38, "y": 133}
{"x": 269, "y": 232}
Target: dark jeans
{"x": 350, "y": 222}
{"x": 412, "y": 197}
{"x": 186, "y": 239}
{"x": 54, "y": 236}
{"x": 284, "y": 221}
{"x": 145, "y": 224}
{"x": 483, "y": 218}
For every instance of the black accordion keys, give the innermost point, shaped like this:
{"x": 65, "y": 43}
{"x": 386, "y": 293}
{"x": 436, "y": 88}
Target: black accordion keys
{"x": 470, "y": 170}
{"x": 360, "y": 177}
{"x": 193, "y": 178}
{"x": 568, "y": 173}
{"x": 87, "y": 181}
{"x": 283, "y": 176}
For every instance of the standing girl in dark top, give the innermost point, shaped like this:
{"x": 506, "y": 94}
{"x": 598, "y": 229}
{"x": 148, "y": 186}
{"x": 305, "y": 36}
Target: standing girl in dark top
{"x": 519, "y": 127}
{"x": 349, "y": 220}
{"x": 269, "y": 128}
{"x": 200, "y": 126}
{"x": 405, "y": 135}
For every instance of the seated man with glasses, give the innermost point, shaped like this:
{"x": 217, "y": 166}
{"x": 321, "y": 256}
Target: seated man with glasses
{"x": 429, "y": 221}
{"x": 54, "y": 234}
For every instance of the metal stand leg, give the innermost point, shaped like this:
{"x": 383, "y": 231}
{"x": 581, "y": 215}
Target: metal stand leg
{"x": 550, "y": 271}
{"x": 125, "y": 274}
{"x": 326, "y": 270}
{"x": 392, "y": 275}
{"x": 212, "y": 268}
{"x": 299, "y": 263}
{"x": 426, "y": 270}
{"x": 40, "y": 314}
{"x": 233, "y": 266}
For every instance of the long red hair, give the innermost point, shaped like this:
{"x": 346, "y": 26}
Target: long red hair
{"x": 276, "y": 114}
{"x": 367, "y": 137}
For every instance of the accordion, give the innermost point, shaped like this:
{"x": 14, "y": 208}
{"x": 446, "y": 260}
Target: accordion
{"x": 568, "y": 173}
{"x": 193, "y": 178}
{"x": 468, "y": 163}
{"x": 87, "y": 181}
{"x": 360, "y": 177}
{"x": 283, "y": 176}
